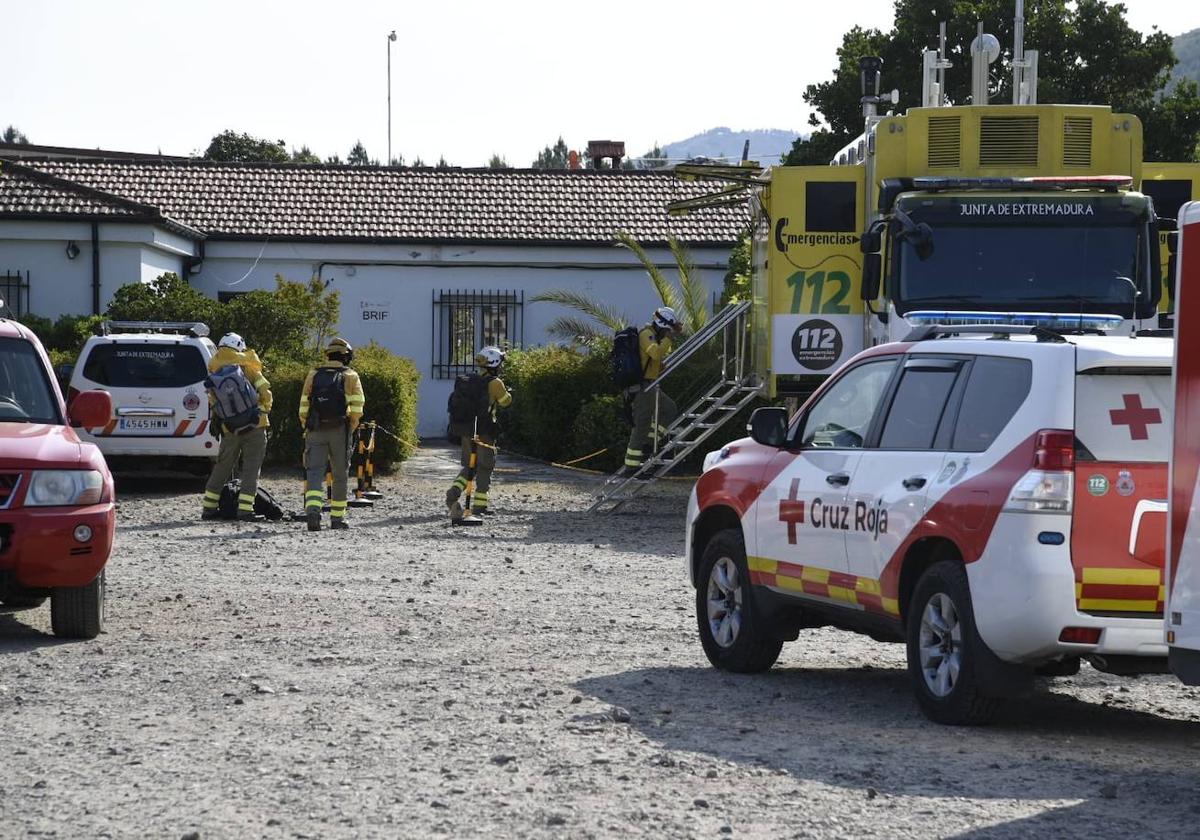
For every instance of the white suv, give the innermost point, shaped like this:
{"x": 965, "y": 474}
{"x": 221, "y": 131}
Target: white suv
{"x": 993, "y": 497}
{"x": 155, "y": 373}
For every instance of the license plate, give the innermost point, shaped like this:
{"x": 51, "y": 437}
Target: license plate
{"x": 143, "y": 424}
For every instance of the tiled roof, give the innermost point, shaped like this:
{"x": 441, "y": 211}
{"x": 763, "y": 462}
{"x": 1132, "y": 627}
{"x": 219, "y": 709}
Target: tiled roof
{"x": 29, "y": 193}
{"x": 352, "y": 203}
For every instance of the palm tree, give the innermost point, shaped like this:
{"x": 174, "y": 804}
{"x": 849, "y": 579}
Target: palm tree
{"x": 686, "y": 294}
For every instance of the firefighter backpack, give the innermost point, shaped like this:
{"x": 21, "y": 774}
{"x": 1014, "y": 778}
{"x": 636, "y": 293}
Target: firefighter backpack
{"x": 626, "y": 358}
{"x": 468, "y": 404}
{"x": 327, "y": 402}
{"x": 264, "y": 502}
{"x": 235, "y": 399}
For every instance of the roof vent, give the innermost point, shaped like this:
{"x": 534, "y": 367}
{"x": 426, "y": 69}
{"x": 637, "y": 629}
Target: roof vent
{"x": 945, "y": 142}
{"x": 1008, "y": 141}
{"x": 1077, "y": 141}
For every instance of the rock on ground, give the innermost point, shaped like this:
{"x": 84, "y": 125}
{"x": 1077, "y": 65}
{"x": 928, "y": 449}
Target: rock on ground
{"x": 536, "y": 677}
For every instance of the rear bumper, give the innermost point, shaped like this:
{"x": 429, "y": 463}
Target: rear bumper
{"x": 196, "y": 446}
{"x": 1023, "y": 594}
{"x": 40, "y": 549}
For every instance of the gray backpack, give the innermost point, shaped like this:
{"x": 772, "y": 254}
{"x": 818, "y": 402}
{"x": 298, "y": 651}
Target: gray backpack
{"x": 236, "y": 400}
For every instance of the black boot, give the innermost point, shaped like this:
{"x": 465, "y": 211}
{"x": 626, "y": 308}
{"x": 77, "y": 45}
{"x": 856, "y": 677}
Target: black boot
{"x": 313, "y": 515}
{"x": 337, "y": 523}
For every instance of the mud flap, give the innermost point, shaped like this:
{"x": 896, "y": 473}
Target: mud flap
{"x": 998, "y": 678}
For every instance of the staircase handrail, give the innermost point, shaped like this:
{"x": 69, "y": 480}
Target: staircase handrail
{"x": 701, "y": 337}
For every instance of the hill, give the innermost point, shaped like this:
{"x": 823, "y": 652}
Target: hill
{"x": 1187, "y": 50}
{"x": 766, "y": 145}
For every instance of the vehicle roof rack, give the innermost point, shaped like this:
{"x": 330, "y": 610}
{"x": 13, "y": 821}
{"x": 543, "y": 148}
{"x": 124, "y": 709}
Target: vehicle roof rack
{"x": 997, "y": 331}
{"x": 192, "y": 328}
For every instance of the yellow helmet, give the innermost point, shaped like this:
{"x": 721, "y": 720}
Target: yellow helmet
{"x": 339, "y": 347}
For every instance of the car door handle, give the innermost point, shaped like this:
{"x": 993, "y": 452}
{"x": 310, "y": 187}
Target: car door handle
{"x": 838, "y": 479}
{"x": 914, "y": 483}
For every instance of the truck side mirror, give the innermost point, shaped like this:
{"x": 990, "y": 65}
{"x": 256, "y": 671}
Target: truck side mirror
{"x": 1173, "y": 242}
{"x": 871, "y": 241}
{"x": 768, "y": 426}
{"x": 872, "y": 275}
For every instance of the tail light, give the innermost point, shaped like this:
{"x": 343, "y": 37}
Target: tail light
{"x": 1080, "y": 635}
{"x": 1055, "y": 451}
{"x": 1050, "y": 485}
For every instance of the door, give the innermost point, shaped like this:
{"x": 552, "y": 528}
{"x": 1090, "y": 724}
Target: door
{"x": 888, "y": 493}
{"x": 802, "y": 516}
{"x": 1170, "y": 185}
{"x": 157, "y": 389}
{"x": 814, "y": 267}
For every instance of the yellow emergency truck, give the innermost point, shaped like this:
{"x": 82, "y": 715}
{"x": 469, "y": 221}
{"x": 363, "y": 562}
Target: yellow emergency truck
{"x": 1027, "y": 213}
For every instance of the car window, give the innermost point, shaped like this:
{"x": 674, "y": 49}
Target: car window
{"x": 841, "y": 417}
{"x": 996, "y": 389}
{"x": 145, "y": 365}
{"x": 917, "y": 409}
{"x": 26, "y": 395}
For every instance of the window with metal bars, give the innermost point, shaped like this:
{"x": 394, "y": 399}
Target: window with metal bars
{"x": 14, "y": 292}
{"x": 466, "y": 320}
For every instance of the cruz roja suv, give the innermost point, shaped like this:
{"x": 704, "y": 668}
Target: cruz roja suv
{"x": 995, "y": 498}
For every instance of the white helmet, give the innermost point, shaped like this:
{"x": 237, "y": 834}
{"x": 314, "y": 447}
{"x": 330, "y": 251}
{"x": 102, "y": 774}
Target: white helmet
{"x": 234, "y": 341}
{"x": 665, "y": 319}
{"x": 490, "y": 357}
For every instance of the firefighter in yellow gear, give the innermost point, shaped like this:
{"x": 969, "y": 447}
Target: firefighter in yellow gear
{"x": 331, "y": 407}
{"x": 482, "y": 438}
{"x": 654, "y": 344}
{"x": 250, "y": 445}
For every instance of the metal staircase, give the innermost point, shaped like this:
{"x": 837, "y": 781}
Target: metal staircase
{"x": 735, "y": 388}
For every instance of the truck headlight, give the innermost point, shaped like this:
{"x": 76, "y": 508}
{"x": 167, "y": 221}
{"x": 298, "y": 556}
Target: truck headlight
{"x": 56, "y": 488}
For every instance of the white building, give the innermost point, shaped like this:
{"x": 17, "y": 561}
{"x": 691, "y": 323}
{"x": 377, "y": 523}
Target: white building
{"x": 430, "y": 263}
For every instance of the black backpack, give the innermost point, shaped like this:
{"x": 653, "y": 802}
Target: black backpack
{"x": 468, "y": 403}
{"x": 264, "y": 502}
{"x": 327, "y": 402}
{"x": 626, "y": 358}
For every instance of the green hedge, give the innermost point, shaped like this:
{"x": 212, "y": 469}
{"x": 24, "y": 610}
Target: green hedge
{"x": 390, "y": 385}
{"x": 565, "y": 407}
{"x": 550, "y": 386}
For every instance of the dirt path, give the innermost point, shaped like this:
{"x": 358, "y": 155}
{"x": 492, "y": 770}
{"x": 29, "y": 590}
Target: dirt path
{"x": 537, "y": 677}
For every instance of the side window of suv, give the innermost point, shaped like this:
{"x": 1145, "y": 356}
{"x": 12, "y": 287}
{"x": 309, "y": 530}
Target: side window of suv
{"x": 842, "y": 416}
{"x": 996, "y": 389}
{"x": 921, "y": 398}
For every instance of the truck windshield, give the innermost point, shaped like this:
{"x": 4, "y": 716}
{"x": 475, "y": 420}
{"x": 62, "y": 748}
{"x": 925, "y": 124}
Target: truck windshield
{"x": 1031, "y": 262}
{"x": 25, "y": 392}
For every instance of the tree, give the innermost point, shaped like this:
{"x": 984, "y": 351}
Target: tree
{"x": 1087, "y": 53}
{"x": 398, "y": 160}
{"x": 231, "y": 146}
{"x": 442, "y": 162}
{"x": 555, "y": 157}
{"x": 417, "y": 162}
{"x": 498, "y": 162}
{"x": 304, "y": 155}
{"x": 14, "y": 135}
{"x": 358, "y": 156}
{"x": 739, "y": 278}
{"x": 653, "y": 159}
{"x": 686, "y": 294}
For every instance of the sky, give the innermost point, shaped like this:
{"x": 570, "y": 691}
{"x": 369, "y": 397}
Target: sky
{"x": 469, "y": 79}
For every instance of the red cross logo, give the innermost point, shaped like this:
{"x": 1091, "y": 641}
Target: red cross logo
{"x": 791, "y": 511}
{"x": 1136, "y": 417}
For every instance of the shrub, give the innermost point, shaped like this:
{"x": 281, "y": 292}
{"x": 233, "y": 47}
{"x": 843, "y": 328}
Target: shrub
{"x": 390, "y": 385}
{"x": 601, "y": 424}
{"x": 550, "y": 386}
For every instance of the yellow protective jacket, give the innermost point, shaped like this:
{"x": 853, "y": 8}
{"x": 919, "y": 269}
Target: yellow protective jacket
{"x": 351, "y": 384}
{"x": 252, "y": 367}
{"x": 653, "y": 351}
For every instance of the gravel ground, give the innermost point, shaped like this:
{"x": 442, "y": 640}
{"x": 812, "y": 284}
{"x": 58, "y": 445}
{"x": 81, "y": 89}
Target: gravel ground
{"x": 536, "y": 677}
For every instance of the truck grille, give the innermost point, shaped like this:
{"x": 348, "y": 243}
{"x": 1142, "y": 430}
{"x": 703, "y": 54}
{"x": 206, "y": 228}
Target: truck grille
{"x": 945, "y": 142}
{"x": 8, "y": 487}
{"x": 1077, "y": 141}
{"x": 1008, "y": 141}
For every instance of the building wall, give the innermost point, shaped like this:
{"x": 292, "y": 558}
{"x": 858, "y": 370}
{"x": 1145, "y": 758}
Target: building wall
{"x": 129, "y": 253}
{"x": 387, "y": 292}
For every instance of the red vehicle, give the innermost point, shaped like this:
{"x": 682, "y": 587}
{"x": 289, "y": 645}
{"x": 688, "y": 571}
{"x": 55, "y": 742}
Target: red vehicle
{"x": 57, "y": 509}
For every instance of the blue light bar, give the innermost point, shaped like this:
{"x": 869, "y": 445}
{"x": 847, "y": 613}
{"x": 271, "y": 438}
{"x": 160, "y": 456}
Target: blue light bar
{"x": 1047, "y": 320}
{"x": 1106, "y": 183}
